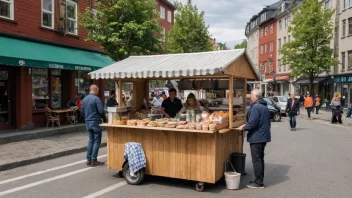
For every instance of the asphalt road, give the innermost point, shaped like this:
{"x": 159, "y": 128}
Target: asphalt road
{"x": 314, "y": 161}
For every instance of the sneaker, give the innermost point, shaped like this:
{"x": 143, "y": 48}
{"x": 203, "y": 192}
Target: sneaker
{"x": 291, "y": 129}
{"x": 97, "y": 163}
{"x": 254, "y": 185}
{"x": 294, "y": 129}
{"x": 89, "y": 163}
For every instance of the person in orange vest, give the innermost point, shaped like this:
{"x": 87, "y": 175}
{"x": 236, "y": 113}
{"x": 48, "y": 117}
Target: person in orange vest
{"x": 317, "y": 103}
{"x": 308, "y": 104}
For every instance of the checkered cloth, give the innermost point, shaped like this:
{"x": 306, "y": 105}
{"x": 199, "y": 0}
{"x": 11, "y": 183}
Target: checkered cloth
{"x": 135, "y": 155}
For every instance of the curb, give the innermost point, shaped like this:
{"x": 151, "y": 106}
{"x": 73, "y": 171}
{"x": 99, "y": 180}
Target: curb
{"x": 34, "y": 160}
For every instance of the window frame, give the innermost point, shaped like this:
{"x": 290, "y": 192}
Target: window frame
{"x": 344, "y": 24}
{"x": 272, "y": 29}
{"x": 349, "y": 66}
{"x": 261, "y": 49}
{"x": 163, "y": 32}
{"x": 279, "y": 45}
{"x": 48, "y": 12}
{"x": 12, "y": 10}
{"x": 343, "y": 60}
{"x": 286, "y": 23}
{"x": 70, "y": 19}
{"x": 279, "y": 64}
{"x": 169, "y": 16}
{"x": 266, "y": 31}
{"x": 280, "y": 24}
{"x": 266, "y": 48}
{"x": 271, "y": 46}
{"x": 350, "y": 25}
{"x": 162, "y": 12}
{"x": 261, "y": 66}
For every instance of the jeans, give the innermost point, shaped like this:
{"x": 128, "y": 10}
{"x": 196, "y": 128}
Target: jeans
{"x": 94, "y": 132}
{"x": 292, "y": 119}
{"x": 317, "y": 109}
{"x": 257, "y": 152}
{"x": 309, "y": 110}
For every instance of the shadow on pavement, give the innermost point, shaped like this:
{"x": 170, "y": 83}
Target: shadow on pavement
{"x": 274, "y": 174}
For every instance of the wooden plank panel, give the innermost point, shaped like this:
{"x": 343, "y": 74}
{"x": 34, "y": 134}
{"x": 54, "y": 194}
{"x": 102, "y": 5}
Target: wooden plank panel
{"x": 178, "y": 167}
{"x": 241, "y": 69}
{"x": 230, "y": 101}
{"x": 172, "y": 152}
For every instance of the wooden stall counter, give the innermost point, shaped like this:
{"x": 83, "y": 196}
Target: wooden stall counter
{"x": 176, "y": 153}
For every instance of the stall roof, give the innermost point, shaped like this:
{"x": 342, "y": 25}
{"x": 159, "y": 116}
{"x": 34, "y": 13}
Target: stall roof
{"x": 234, "y": 62}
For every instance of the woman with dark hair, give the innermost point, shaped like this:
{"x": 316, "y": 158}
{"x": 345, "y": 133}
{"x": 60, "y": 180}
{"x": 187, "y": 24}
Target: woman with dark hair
{"x": 191, "y": 104}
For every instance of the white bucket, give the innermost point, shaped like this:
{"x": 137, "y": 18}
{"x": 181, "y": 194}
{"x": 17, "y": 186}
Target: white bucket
{"x": 232, "y": 180}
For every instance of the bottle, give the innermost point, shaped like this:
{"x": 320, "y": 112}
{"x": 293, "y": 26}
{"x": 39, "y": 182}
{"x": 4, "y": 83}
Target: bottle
{"x": 187, "y": 116}
{"x": 193, "y": 115}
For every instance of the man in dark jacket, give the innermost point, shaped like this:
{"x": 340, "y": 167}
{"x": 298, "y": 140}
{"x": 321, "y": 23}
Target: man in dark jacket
{"x": 93, "y": 111}
{"x": 292, "y": 108}
{"x": 258, "y": 127}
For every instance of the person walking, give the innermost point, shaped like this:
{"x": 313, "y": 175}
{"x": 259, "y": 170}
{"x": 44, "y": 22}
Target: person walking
{"x": 301, "y": 100}
{"x": 292, "y": 109}
{"x": 317, "y": 104}
{"x": 258, "y": 127}
{"x": 93, "y": 111}
{"x": 336, "y": 108}
{"x": 308, "y": 104}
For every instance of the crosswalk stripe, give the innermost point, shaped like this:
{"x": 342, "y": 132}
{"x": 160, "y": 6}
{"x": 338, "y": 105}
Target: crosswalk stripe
{"x": 45, "y": 171}
{"x": 43, "y": 181}
{"x": 106, "y": 190}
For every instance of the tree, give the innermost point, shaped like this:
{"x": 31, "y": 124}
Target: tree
{"x": 123, "y": 27}
{"x": 189, "y": 33}
{"x": 241, "y": 45}
{"x": 309, "y": 53}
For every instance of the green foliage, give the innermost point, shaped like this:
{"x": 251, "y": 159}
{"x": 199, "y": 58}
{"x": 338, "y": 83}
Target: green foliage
{"x": 309, "y": 53}
{"x": 123, "y": 27}
{"x": 241, "y": 45}
{"x": 189, "y": 33}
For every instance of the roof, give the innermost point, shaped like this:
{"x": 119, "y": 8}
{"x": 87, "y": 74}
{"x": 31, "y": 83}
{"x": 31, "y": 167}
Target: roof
{"x": 172, "y": 65}
{"x": 168, "y": 3}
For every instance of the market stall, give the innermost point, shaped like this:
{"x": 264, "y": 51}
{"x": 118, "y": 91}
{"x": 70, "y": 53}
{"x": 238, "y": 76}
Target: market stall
{"x": 195, "y": 149}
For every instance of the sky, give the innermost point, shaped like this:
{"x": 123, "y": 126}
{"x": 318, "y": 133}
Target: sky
{"x": 227, "y": 19}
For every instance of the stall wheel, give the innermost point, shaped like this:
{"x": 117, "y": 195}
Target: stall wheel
{"x": 200, "y": 186}
{"x": 119, "y": 174}
{"x": 135, "y": 179}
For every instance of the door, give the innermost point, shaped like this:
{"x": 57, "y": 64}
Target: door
{"x": 4, "y": 100}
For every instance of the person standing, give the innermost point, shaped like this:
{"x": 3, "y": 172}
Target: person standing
{"x": 317, "y": 104}
{"x": 258, "y": 127}
{"x": 93, "y": 111}
{"x": 308, "y": 104}
{"x": 172, "y": 105}
{"x": 292, "y": 109}
{"x": 112, "y": 102}
{"x": 336, "y": 108}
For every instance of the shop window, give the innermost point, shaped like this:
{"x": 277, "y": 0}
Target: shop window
{"x": 4, "y": 107}
{"x": 56, "y": 89}
{"x": 83, "y": 83}
{"x": 40, "y": 94}
{"x": 6, "y": 9}
{"x": 48, "y": 13}
{"x": 71, "y": 16}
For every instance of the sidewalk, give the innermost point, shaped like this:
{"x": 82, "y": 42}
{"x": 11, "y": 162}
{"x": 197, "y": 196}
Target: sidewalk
{"x": 326, "y": 116}
{"x": 23, "y": 153}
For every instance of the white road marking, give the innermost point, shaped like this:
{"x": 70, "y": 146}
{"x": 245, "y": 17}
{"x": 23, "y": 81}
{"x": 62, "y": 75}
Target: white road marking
{"x": 43, "y": 181}
{"x": 341, "y": 126}
{"x": 45, "y": 171}
{"x": 275, "y": 126}
{"x": 106, "y": 190}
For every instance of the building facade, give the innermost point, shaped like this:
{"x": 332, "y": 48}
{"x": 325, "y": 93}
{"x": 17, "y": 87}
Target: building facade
{"x": 252, "y": 33}
{"x": 167, "y": 13}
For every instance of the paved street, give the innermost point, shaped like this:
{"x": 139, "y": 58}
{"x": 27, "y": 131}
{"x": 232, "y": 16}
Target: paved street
{"x": 314, "y": 161}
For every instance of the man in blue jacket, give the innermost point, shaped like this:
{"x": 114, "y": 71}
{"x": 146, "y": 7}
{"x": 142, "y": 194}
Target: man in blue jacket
{"x": 258, "y": 127}
{"x": 93, "y": 111}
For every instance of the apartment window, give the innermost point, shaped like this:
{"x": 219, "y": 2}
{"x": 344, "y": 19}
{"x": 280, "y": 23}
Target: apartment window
{"x": 261, "y": 66}
{"x": 261, "y": 33}
{"x": 162, "y": 12}
{"x": 289, "y": 38}
{"x": 344, "y": 4}
{"x": 270, "y": 66}
{"x": 71, "y": 15}
{"x": 271, "y": 46}
{"x": 163, "y": 32}
{"x": 6, "y": 9}
{"x": 349, "y": 60}
{"x": 288, "y": 20}
{"x": 263, "y": 17}
{"x": 48, "y": 13}
{"x": 350, "y": 25}
{"x": 343, "y": 57}
{"x": 279, "y": 48}
{"x": 271, "y": 28}
{"x": 328, "y": 4}
{"x": 284, "y": 67}
{"x": 169, "y": 17}
{"x": 266, "y": 31}
{"x": 350, "y": 5}
{"x": 284, "y": 40}
{"x": 261, "y": 49}
{"x": 266, "y": 48}
{"x": 279, "y": 64}
{"x": 344, "y": 27}
{"x": 280, "y": 24}
{"x": 286, "y": 23}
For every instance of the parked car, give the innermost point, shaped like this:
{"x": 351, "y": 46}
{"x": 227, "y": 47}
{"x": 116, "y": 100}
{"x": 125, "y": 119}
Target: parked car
{"x": 275, "y": 112}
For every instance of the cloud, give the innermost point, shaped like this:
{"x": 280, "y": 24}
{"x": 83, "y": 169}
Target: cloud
{"x": 227, "y": 19}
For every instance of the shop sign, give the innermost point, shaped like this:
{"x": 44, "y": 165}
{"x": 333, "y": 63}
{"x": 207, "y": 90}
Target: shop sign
{"x": 342, "y": 79}
{"x": 81, "y": 68}
{"x": 56, "y": 66}
{"x": 286, "y": 77}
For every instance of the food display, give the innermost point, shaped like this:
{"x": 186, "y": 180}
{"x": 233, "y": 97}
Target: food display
{"x": 208, "y": 122}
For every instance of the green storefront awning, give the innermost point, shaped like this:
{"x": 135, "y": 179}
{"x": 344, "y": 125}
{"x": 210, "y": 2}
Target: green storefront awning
{"x": 17, "y": 52}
